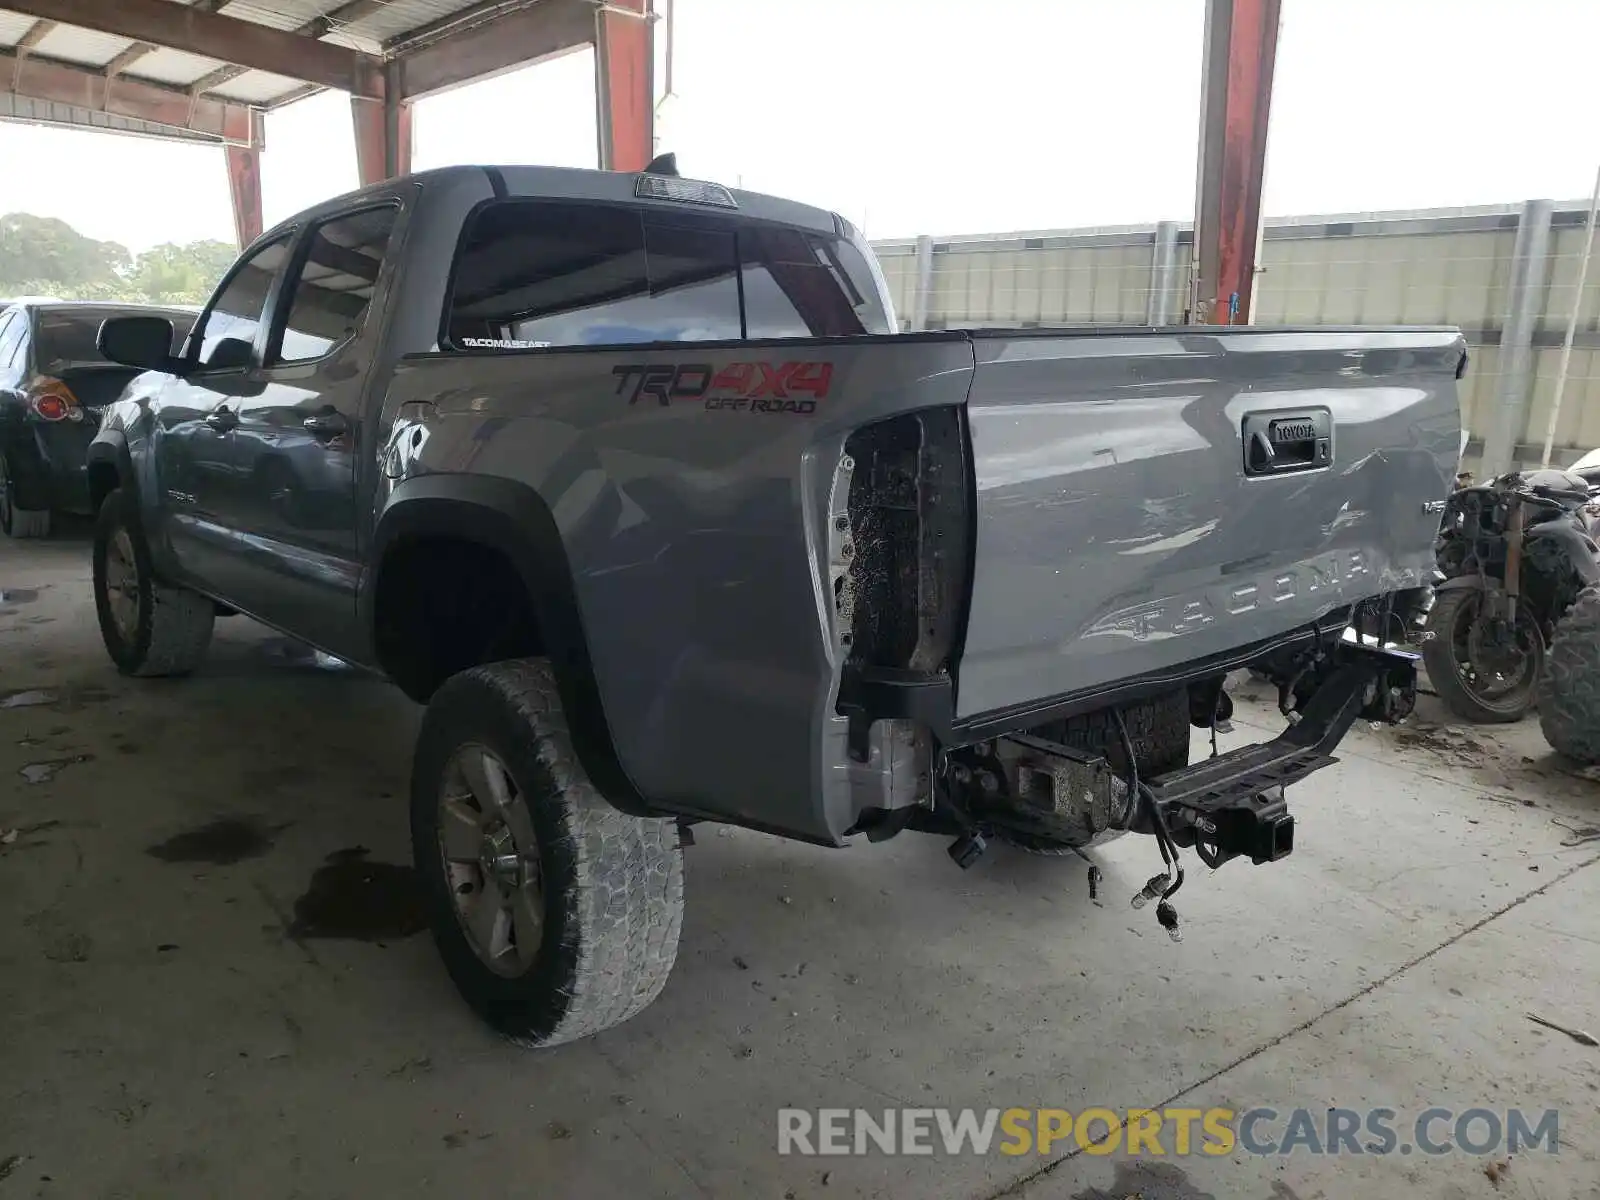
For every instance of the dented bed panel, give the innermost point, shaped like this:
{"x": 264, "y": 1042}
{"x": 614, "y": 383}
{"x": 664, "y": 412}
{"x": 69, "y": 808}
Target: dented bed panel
{"x": 695, "y": 522}
{"x": 1118, "y": 529}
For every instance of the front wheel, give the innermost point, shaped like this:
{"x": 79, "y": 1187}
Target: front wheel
{"x": 556, "y": 915}
{"x": 1483, "y": 672}
{"x": 149, "y": 628}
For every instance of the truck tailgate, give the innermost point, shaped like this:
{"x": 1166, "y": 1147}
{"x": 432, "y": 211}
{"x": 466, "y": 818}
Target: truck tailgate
{"x": 1149, "y": 498}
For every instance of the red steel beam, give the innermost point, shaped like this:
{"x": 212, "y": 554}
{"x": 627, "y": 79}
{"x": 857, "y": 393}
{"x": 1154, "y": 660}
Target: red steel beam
{"x": 624, "y": 84}
{"x": 1236, "y": 95}
{"x": 244, "y": 185}
{"x": 383, "y": 135}
{"x": 54, "y": 82}
{"x": 182, "y": 27}
{"x": 515, "y": 39}
{"x": 314, "y": 28}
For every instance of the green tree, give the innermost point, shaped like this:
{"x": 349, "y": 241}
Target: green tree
{"x": 46, "y": 252}
{"x": 44, "y": 256}
{"x": 186, "y": 274}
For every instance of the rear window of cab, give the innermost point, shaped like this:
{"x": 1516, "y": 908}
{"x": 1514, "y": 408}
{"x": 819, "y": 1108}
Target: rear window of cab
{"x": 537, "y": 273}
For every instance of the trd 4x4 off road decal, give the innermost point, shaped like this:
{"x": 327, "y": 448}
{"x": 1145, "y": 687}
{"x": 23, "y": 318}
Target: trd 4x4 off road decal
{"x": 758, "y": 387}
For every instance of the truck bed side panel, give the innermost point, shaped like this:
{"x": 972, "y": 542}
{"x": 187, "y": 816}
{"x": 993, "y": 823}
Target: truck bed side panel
{"x": 1117, "y": 530}
{"x": 695, "y": 533}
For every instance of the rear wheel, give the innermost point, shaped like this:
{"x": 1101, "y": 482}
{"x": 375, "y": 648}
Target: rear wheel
{"x": 1569, "y": 691}
{"x": 16, "y": 521}
{"x": 1483, "y": 674}
{"x": 1159, "y": 731}
{"x": 149, "y": 628}
{"x": 556, "y": 915}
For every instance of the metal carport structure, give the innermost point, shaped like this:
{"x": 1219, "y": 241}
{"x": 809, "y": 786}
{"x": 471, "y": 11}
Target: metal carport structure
{"x": 207, "y": 70}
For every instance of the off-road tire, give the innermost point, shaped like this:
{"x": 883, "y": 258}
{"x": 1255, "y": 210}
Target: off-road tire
{"x": 1159, "y": 731}
{"x": 1439, "y": 656}
{"x": 1569, "y": 690}
{"x": 612, "y": 885}
{"x": 16, "y": 521}
{"x": 173, "y": 630}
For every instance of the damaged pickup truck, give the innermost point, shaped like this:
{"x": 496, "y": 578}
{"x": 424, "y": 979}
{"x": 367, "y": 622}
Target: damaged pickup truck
{"x": 630, "y": 479}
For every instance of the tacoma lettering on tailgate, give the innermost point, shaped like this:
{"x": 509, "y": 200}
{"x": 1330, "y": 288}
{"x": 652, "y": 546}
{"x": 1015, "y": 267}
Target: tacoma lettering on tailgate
{"x": 1179, "y": 615}
{"x": 758, "y": 387}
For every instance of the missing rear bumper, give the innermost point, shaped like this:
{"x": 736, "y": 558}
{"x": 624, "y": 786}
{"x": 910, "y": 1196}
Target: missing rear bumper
{"x": 1233, "y": 805}
{"x": 1229, "y": 806}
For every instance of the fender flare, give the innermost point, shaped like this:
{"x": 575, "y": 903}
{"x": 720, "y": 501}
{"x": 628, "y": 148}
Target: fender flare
{"x": 513, "y": 519}
{"x": 111, "y": 446}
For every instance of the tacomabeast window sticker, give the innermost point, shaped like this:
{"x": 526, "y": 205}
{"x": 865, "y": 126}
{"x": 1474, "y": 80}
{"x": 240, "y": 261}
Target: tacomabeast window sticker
{"x": 503, "y": 344}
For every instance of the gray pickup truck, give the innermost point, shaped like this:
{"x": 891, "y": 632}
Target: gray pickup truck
{"x": 632, "y": 481}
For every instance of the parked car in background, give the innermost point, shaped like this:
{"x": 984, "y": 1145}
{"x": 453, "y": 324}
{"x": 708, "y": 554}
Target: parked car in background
{"x": 53, "y": 383}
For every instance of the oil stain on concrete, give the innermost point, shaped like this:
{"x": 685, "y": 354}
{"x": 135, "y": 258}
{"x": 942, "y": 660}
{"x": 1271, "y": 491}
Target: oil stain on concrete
{"x": 221, "y": 843}
{"x": 353, "y": 898}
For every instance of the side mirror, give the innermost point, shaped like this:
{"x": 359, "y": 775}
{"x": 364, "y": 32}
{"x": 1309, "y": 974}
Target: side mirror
{"x": 227, "y": 370}
{"x": 143, "y": 342}
{"x": 229, "y": 354}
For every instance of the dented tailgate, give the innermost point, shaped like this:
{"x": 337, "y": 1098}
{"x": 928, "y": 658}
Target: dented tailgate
{"x": 1146, "y": 499}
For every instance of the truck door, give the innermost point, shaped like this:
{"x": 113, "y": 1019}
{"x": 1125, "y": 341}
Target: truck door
{"x": 299, "y": 440}
{"x": 196, "y": 415}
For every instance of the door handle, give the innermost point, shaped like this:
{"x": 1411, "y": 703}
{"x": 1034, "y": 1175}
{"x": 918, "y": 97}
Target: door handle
{"x": 222, "y": 419}
{"x": 326, "y": 424}
{"x": 1276, "y": 443}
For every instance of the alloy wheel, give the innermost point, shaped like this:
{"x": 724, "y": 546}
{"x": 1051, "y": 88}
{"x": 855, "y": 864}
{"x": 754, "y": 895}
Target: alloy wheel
{"x": 122, "y": 585}
{"x": 491, "y": 860}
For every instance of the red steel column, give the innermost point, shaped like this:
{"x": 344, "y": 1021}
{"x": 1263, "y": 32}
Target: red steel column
{"x": 383, "y": 133}
{"x": 624, "y": 84}
{"x": 244, "y": 183}
{"x": 1236, "y": 93}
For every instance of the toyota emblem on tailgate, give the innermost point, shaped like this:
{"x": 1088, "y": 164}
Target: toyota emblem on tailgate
{"x": 1292, "y": 431}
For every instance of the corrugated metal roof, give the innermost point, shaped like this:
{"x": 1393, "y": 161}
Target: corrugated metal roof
{"x": 399, "y": 18}
{"x": 82, "y": 46}
{"x": 173, "y": 66}
{"x": 257, "y": 87}
{"x": 368, "y": 27}
{"x": 12, "y": 27}
{"x": 296, "y": 14}
{"x": 280, "y": 14}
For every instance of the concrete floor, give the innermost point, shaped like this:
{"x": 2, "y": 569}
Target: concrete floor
{"x": 165, "y": 1036}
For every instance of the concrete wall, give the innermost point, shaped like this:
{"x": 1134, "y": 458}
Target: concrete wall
{"x": 1432, "y": 267}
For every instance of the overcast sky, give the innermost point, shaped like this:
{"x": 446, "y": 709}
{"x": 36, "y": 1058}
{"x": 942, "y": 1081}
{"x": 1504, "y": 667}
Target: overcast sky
{"x": 931, "y": 116}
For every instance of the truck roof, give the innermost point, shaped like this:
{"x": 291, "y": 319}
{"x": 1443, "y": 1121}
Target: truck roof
{"x": 575, "y": 183}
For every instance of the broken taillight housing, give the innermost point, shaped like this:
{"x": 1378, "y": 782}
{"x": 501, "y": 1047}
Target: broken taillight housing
{"x": 909, "y": 537}
{"x": 51, "y": 400}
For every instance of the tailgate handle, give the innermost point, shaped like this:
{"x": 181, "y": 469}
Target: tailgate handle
{"x": 1277, "y": 443}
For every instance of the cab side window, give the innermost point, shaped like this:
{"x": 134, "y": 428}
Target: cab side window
{"x": 797, "y": 284}
{"x": 334, "y": 290}
{"x": 227, "y": 332}
{"x": 535, "y": 273}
